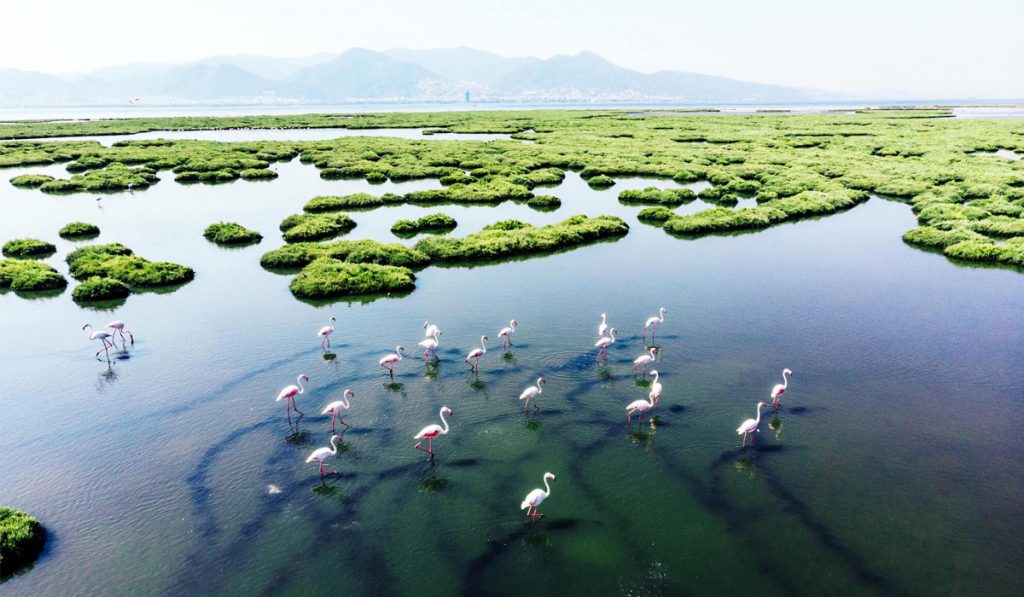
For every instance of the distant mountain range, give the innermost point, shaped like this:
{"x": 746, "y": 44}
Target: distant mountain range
{"x": 399, "y": 75}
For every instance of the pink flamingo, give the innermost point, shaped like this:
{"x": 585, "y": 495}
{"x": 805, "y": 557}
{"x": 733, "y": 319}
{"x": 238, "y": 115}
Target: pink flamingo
{"x": 102, "y": 337}
{"x": 639, "y": 406}
{"x": 653, "y": 322}
{"x": 531, "y": 393}
{"x": 388, "y": 361}
{"x": 780, "y": 389}
{"x": 322, "y": 454}
{"x": 506, "y": 334}
{"x": 644, "y": 360}
{"x": 430, "y": 344}
{"x": 476, "y": 353}
{"x": 533, "y": 500}
{"x": 118, "y": 327}
{"x": 604, "y": 343}
{"x": 325, "y": 333}
{"x": 603, "y": 328}
{"x": 338, "y": 407}
{"x": 655, "y": 387}
{"x": 431, "y": 431}
{"x": 289, "y": 393}
{"x": 750, "y": 425}
{"x": 429, "y": 329}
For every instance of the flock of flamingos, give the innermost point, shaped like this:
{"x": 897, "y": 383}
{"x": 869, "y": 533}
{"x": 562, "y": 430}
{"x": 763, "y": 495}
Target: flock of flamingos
{"x": 532, "y": 501}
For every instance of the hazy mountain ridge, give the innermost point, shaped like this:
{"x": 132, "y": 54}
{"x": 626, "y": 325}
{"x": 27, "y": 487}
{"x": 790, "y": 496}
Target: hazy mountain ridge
{"x": 435, "y": 75}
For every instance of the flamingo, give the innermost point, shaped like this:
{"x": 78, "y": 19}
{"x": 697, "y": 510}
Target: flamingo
{"x": 506, "y": 334}
{"x": 325, "y": 333}
{"x": 388, "y": 361}
{"x": 431, "y": 431}
{"x": 780, "y": 389}
{"x": 655, "y": 387}
{"x": 429, "y": 329}
{"x": 289, "y": 393}
{"x": 322, "y": 454}
{"x": 750, "y": 425}
{"x": 476, "y": 353}
{"x": 431, "y": 344}
{"x": 640, "y": 406}
{"x": 102, "y": 337}
{"x": 338, "y": 407}
{"x": 118, "y": 327}
{"x": 652, "y": 322}
{"x": 533, "y": 500}
{"x": 603, "y": 328}
{"x": 644, "y": 360}
{"x": 532, "y": 392}
{"x": 605, "y": 342}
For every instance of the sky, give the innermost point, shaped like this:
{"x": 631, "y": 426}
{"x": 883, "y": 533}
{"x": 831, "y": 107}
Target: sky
{"x": 929, "y": 48}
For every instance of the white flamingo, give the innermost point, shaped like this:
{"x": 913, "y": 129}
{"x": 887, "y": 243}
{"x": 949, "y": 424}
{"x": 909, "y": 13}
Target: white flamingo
{"x": 388, "y": 361}
{"x": 653, "y": 322}
{"x": 506, "y": 334}
{"x": 655, "y": 387}
{"x": 603, "y": 328}
{"x": 430, "y": 344}
{"x": 476, "y": 353}
{"x": 533, "y": 500}
{"x": 431, "y": 431}
{"x": 323, "y": 454}
{"x": 750, "y": 425}
{"x": 780, "y": 389}
{"x": 532, "y": 392}
{"x": 644, "y": 360}
{"x": 105, "y": 337}
{"x": 639, "y": 407}
{"x": 338, "y": 407}
{"x": 429, "y": 329}
{"x": 289, "y": 393}
{"x": 117, "y": 327}
{"x": 325, "y": 333}
{"x": 604, "y": 343}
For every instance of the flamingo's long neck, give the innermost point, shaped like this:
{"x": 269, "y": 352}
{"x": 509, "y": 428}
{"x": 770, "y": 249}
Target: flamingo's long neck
{"x": 344, "y": 400}
{"x": 611, "y": 333}
{"x": 399, "y": 354}
{"x": 546, "y": 486}
{"x": 443, "y": 420}
{"x": 785, "y": 380}
{"x": 334, "y": 448}
{"x": 539, "y": 390}
{"x": 661, "y": 315}
{"x": 299, "y": 381}
{"x": 483, "y": 344}
{"x": 758, "y": 419}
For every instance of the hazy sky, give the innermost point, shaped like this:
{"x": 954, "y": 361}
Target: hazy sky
{"x": 929, "y": 47}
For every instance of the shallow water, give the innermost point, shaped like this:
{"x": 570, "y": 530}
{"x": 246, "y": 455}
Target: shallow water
{"x": 893, "y": 466}
{"x": 312, "y": 134}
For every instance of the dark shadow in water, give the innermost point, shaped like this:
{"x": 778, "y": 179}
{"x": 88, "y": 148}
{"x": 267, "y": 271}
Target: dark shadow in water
{"x": 360, "y": 299}
{"x": 676, "y": 408}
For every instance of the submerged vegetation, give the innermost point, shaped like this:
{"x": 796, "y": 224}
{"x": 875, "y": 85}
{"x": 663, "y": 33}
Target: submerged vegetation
{"x": 28, "y": 247}
{"x": 794, "y": 165}
{"x": 438, "y": 222}
{"x": 29, "y": 276}
{"x": 21, "y": 539}
{"x": 118, "y": 262}
{"x": 79, "y": 230}
{"x": 230, "y": 233}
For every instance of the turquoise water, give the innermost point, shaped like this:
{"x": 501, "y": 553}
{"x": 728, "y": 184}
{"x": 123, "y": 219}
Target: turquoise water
{"x": 893, "y": 466}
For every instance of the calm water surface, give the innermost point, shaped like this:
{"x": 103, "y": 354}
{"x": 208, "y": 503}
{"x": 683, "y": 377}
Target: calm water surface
{"x": 893, "y": 467}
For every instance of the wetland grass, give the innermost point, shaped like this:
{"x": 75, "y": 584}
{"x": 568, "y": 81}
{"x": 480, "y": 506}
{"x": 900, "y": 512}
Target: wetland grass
{"x": 27, "y": 248}
{"x": 29, "y": 276}
{"x": 329, "y": 278}
{"x": 79, "y": 231}
{"x": 436, "y": 222}
{"x": 230, "y": 233}
{"x": 21, "y": 539}
{"x": 120, "y": 263}
{"x": 319, "y": 226}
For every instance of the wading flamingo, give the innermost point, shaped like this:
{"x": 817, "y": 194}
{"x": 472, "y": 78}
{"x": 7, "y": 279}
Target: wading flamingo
{"x": 323, "y": 454}
{"x": 533, "y": 500}
{"x": 289, "y": 393}
{"x": 639, "y": 406}
{"x": 602, "y": 329}
{"x": 338, "y": 407}
{"x": 431, "y": 431}
{"x": 532, "y": 392}
{"x": 506, "y": 334}
{"x": 102, "y": 337}
{"x": 429, "y": 329}
{"x": 430, "y": 344}
{"x": 644, "y": 360}
{"x": 476, "y": 353}
{"x": 117, "y": 327}
{"x": 653, "y": 322}
{"x": 605, "y": 342}
{"x": 388, "y": 361}
{"x": 655, "y": 387}
{"x": 325, "y": 333}
{"x": 750, "y": 425}
{"x": 780, "y": 389}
